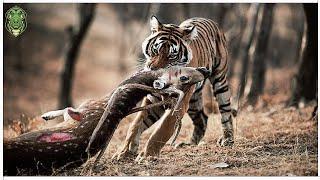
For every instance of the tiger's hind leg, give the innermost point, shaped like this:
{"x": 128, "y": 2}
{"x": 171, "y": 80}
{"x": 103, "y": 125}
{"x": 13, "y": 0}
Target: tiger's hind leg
{"x": 222, "y": 94}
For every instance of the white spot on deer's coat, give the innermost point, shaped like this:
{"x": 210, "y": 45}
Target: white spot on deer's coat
{"x": 81, "y": 126}
{"x": 56, "y": 150}
{"x": 40, "y": 150}
{"x": 64, "y": 145}
{"x": 49, "y": 147}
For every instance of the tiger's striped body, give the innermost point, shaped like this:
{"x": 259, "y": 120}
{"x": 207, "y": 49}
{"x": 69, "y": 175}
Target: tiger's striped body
{"x": 196, "y": 42}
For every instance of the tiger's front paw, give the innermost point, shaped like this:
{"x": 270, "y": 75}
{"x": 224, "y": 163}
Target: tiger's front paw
{"x": 223, "y": 141}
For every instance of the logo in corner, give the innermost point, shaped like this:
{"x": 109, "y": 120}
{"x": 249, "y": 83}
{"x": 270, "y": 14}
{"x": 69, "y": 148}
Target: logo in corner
{"x": 16, "y": 21}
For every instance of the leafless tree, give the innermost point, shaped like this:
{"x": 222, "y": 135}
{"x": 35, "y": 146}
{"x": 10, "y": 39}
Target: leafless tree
{"x": 246, "y": 42}
{"x": 235, "y": 41}
{"x": 76, "y": 34}
{"x": 299, "y": 34}
{"x": 259, "y": 59}
{"x": 305, "y": 81}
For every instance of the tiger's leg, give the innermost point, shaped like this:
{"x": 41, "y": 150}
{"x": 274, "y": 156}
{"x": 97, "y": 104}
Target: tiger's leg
{"x": 143, "y": 121}
{"x": 165, "y": 129}
{"x": 222, "y": 93}
{"x": 199, "y": 118}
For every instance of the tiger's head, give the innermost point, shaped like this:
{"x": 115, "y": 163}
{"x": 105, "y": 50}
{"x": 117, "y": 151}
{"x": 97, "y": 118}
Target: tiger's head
{"x": 168, "y": 44}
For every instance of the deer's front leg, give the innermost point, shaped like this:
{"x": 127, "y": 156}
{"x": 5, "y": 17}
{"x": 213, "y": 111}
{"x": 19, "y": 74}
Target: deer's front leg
{"x": 131, "y": 143}
{"x": 164, "y": 131}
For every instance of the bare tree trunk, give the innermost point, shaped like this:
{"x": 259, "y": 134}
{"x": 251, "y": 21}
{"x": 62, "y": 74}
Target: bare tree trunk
{"x": 186, "y": 10}
{"x": 247, "y": 40}
{"x": 77, "y": 34}
{"x": 259, "y": 60}
{"x": 223, "y": 13}
{"x": 300, "y": 34}
{"x": 305, "y": 86}
{"x": 236, "y": 43}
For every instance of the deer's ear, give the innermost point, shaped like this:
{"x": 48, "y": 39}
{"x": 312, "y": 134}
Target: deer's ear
{"x": 155, "y": 24}
{"x": 74, "y": 115}
{"x": 189, "y": 32}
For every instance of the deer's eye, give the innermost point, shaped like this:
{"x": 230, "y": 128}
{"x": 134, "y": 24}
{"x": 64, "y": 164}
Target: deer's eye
{"x": 184, "y": 78}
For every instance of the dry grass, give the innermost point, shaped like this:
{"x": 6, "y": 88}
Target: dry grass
{"x": 270, "y": 142}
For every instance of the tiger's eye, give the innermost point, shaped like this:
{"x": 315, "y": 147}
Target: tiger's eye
{"x": 172, "y": 56}
{"x": 154, "y": 50}
{"x": 184, "y": 59}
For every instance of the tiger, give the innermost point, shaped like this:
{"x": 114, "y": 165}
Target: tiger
{"x": 196, "y": 42}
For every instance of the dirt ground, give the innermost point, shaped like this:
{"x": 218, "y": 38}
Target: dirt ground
{"x": 270, "y": 140}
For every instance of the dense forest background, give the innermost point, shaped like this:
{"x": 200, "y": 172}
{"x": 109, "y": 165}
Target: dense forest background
{"x": 35, "y": 61}
{"x": 73, "y": 52}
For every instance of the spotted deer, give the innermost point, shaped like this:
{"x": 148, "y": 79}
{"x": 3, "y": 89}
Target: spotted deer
{"x": 42, "y": 151}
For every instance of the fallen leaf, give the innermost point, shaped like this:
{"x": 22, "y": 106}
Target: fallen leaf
{"x": 290, "y": 174}
{"x": 219, "y": 165}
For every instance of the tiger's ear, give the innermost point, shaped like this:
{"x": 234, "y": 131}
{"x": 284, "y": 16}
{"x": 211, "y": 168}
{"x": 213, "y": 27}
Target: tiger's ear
{"x": 189, "y": 32}
{"x": 155, "y": 24}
